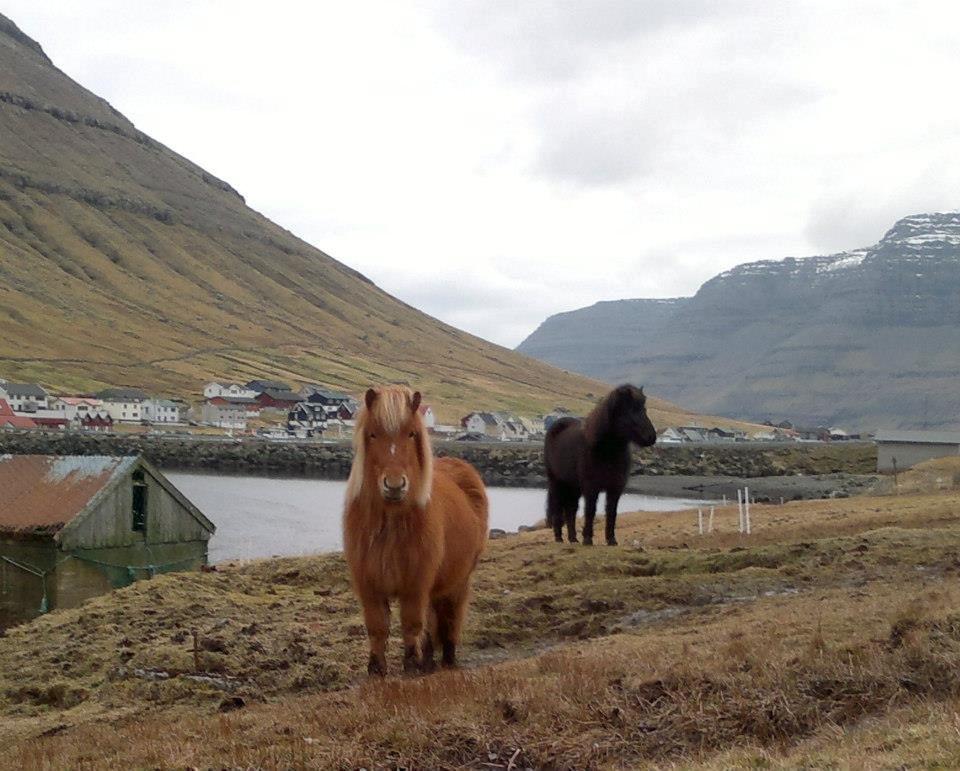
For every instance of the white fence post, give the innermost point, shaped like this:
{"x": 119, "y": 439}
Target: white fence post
{"x": 710, "y": 526}
{"x": 746, "y": 511}
{"x": 740, "y": 509}
{"x": 700, "y": 520}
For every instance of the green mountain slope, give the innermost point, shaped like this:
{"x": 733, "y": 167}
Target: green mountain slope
{"x": 122, "y": 262}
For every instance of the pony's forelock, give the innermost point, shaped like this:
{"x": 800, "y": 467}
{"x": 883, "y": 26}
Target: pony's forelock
{"x": 390, "y": 410}
{"x": 599, "y": 420}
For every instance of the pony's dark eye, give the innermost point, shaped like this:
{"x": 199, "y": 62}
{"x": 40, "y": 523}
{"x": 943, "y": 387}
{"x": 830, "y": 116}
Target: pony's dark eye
{"x": 412, "y": 434}
{"x": 373, "y": 436}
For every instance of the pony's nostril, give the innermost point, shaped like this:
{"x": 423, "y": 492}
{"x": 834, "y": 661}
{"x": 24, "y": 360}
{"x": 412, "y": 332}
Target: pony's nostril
{"x": 394, "y": 488}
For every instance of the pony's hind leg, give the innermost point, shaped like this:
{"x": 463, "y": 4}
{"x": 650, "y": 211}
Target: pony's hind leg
{"x": 430, "y": 641}
{"x": 570, "y": 506}
{"x": 589, "y": 514}
{"x": 450, "y": 614}
{"x": 555, "y": 511}
{"x": 376, "y": 617}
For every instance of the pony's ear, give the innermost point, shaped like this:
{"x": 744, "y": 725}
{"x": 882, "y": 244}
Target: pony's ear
{"x": 370, "y": 398}
{"x": 415, "y": 401}
{"x": 641, "y": 391}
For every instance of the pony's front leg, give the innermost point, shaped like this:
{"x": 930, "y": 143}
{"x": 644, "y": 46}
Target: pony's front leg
{"x": 376, "y": 617}
{"x": 589, "y": 514}
{"x": 611, "y": 517}
{"x": 413, "y": 612}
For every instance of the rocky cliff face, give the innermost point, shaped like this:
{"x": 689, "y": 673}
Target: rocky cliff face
{"x": 868, "y": 338}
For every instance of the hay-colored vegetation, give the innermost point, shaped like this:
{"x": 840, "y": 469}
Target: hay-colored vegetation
{"x": 832, "y": 632}
{"x": 934, "y": 475}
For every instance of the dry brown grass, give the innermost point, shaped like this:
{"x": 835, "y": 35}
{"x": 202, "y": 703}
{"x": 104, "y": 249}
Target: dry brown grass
{"x": 835, "y": 622}
{"x": 934, "y": 475}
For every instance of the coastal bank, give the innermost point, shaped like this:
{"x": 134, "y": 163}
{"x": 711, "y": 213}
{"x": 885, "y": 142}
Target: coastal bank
{"x": 772, "y": 470}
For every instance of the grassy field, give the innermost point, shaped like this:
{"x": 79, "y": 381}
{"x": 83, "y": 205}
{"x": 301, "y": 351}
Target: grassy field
{"x": 828, "y": 638}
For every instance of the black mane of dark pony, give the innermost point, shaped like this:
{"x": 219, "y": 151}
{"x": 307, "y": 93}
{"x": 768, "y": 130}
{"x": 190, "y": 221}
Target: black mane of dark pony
{"x": 592, "y": 456}
{"x": 603, "y": 419}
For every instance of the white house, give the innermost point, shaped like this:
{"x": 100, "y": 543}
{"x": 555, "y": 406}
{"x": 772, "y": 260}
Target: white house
{"x": 76, "y": 407}
{"x": 223, "y": 413}
{"x": 512, "y": 427}
{"x": 24, "y": 398}
{"x": 229, "y": 391}
{"x": 123, "y": 405}
{"x": 481, "y": 423}
{"x": 533, "y": 427}
{"x": 671, "y": 436}
{"x": 429, "y": 419}
{"x": 495, "y": 425}
{"x": 162, "y": 411}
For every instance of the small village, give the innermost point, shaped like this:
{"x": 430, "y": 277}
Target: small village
{"x": 273, "y": 411}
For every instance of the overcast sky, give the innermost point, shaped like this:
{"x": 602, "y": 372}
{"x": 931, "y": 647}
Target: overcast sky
{"x": 497, "y": 161}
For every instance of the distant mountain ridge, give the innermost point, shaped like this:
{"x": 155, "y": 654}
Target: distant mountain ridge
{"x": 867, "y": 338}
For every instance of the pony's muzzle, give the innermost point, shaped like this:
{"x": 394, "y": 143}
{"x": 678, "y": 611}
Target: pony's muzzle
{"x": 394, "y": 488}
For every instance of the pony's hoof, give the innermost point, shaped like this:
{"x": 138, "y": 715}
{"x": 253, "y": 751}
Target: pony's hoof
{"x": 588, "y": 540}
{"x": 611, "y": 542}
{"x": 558, "y": 538}
{"x": 412, "y": 664}
{"x": 375, "y": 667}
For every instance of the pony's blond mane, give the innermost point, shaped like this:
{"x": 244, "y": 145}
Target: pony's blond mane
{"x": 391, "y": 410}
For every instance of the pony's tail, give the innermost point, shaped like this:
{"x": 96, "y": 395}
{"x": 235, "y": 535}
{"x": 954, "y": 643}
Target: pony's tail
{"x": 467, "y": 479}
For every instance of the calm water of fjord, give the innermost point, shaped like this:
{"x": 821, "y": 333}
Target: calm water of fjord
{"x": 277, "y": 516}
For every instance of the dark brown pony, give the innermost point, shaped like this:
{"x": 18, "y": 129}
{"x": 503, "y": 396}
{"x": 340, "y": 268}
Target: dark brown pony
{"x": 413, "y": 530}
{"x": 593, "y": 455}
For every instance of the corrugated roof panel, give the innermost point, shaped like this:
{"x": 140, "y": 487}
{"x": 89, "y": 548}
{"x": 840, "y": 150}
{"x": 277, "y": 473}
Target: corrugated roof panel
{"x": 42, "y": 493}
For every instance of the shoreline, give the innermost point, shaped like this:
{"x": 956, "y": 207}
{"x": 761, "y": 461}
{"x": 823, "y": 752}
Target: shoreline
{"x": 772, "y": 470}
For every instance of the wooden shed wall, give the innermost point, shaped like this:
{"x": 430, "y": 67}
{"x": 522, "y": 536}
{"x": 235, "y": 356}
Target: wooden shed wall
{"x": 101, "y": 551}
{"x": 20, "y": 590}
{"x": 111, "y": 523}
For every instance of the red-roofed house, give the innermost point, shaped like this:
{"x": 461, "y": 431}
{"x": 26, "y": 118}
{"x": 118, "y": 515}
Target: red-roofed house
{"x": 9, "y": 419}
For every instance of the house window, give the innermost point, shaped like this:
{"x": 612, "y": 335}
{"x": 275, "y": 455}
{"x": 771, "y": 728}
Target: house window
{"x": 139, "y": 503}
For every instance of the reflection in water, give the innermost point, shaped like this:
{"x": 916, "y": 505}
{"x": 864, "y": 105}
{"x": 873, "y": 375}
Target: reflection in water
{"x": 271, "y": 516}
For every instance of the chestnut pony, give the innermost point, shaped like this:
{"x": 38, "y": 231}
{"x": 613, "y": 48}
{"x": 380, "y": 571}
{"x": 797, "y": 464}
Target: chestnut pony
{"x": 413, "y": 530}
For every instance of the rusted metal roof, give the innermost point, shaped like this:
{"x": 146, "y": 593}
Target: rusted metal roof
{"x": 42, "y": 493}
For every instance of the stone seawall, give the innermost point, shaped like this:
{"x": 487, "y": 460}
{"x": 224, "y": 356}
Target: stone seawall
{"x": 500, "y": 464}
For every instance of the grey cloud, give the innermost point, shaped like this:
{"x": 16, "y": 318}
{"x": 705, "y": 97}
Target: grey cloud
{"x": 599, "y": 148}
{"x": 556, "y": 39}
{"x": 860, "y": 216}
{"x": 624, "y": 89}
{"x": 661, "y": 126}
